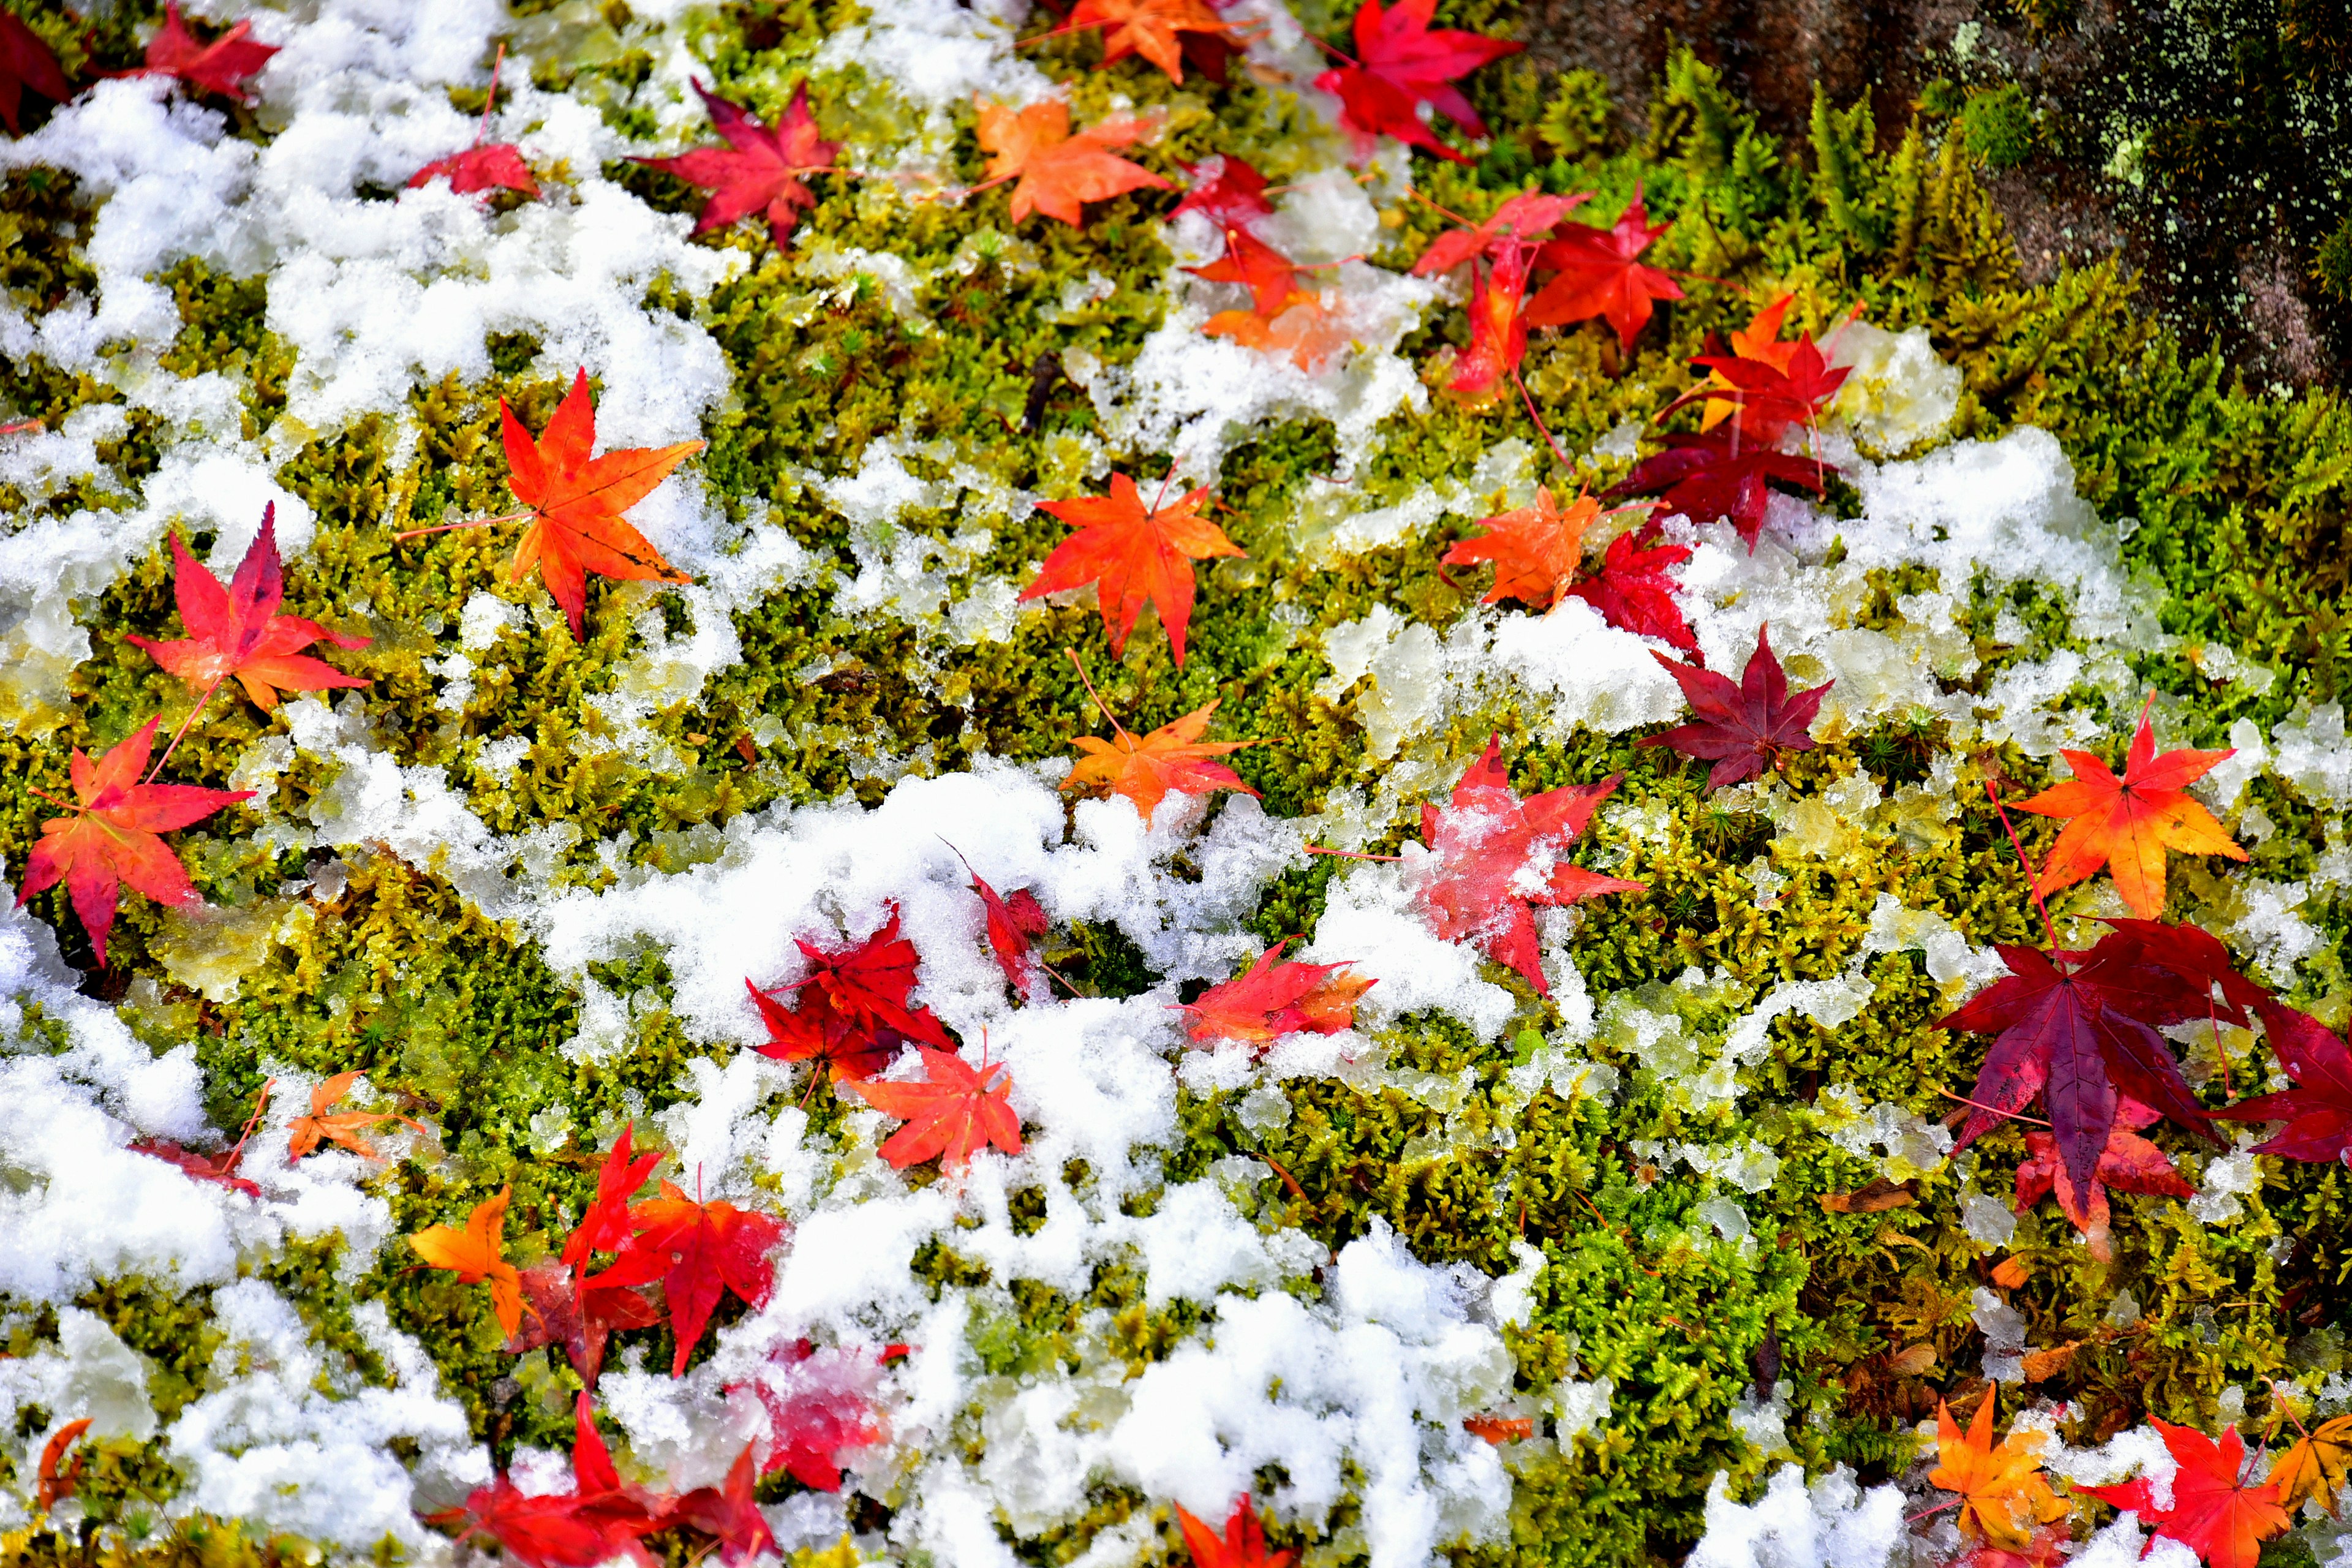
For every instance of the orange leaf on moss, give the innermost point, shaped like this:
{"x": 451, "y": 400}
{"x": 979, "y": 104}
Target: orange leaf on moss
{"x": 1145, "y": 770}
{"x": 475, "y": 1254}
{"x": 1059, "y": 172}
{"x": 1135, "y": 556}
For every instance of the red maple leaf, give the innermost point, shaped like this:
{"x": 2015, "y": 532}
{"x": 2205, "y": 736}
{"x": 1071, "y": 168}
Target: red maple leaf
{"x": 113, "y": 836}
{"x": 575, "y": 501}
{"x": 1270, "y": 276}
{"x": 2080, "y": 1030}
{"x": 1498, "y": 326}
{"x": 1743, "y": 728}
{"x": 1014, "y": 924}
{"x": 1759, "y": 339}
{"x": 759, "y": 170}
{"x": 1536, "y": 550}
{"x": 496, "y": 166}
{"x": 1243, "y": 1545}
{"x": 1059, "y": 172}
{"x": 1402, "y": 62}
{"x": 26, "y": 62}
{"x": 1134, "y": 556}
{"x": 1518, "y": 223}
{"x": 580, "y": 1321}
{"x": 219, "y": 1169}
{"x": 1767, "y": 399}
{"x": 605, "y": 1226}
{"x": 819, "y": 1404}
{"x": 700, "y": 1251}
{"x": 2126, "y": 824}
{"x": 2214, "y": 1512}
{"x": 728, "y": 1513}
{"x": 1720, "y": 474}
{"x": 1632, "y": 591}
{"x": 852, "y": 1013}
{"x": 218, "y": 67}
{"x": 1165, "y": 32}
{"x": 1499, "y": 1430}
{"x": 2130, "y": 1164}
{"x": 1272, "y": 999}
{"x": 597, "y": 1520}
{"x": 1600, "y": 274}
{"x": 1228, "y": 190}
{"x": 2318, "y": 1110}
{"x": 1493, "y": 855}
{"x": 53, "y": 1480}
{"x": 951, "y": 1115}
{"x": 238, "y": 631}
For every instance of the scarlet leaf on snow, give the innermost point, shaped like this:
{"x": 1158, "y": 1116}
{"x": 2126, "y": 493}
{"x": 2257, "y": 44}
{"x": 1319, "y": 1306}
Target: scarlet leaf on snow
{"x": 220, "y": 1168}
{"x": 1274, "y": 998}
{"x": 2318, "y": 1110}
{"x": 1488, "y": 845}
{"x": 1767, "y": 398}
{"x": 1743, "y": 728}
{"x": 495, "y": 166}
{"x": 1536, "y": 550}
{"x": 26, "y": 62}
{"x": 1257, "y": 265}
{"x": 949, "y": 1116}
{"x": 761, "y": 171}
{"x": 2130, "y": 1164}
{"x": 1402, "y": 62}
{"x": 1242, "y": 1546}
{"x": 1721, "y": 475}
{"x": 700, "y": 1251}
{"x": 238, "y": 631}
{"x": 851, "y": 1015}
{"x": 1059, "y": 172}
{"x": 1134, "y": 556}
{"x": 1014, "y": 924}
{"x": 2126, "y": 824}
{"x": 597, "y": 1520}
{"x": 2214, "y": 1512}
{"x": 1601, "y": 273}
{"x": 1147, "y": 769}
{"x": 1227, "y": 190}
{"x": 221, "y": 66}
{"x": 728, "y": 1514}
{"x": 819, "y": 1404}
{"x": 605, "y": 1226}
{"x": 112, "y": 836}
{"x": 576, "y": 501}
{"x": 1632, "y": 590}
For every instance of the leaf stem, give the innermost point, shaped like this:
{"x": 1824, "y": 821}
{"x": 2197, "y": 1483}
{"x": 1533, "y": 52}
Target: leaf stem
{"x": 475, "y": 522}
{"x": 1349, "y": 853}
{"x": 1545, "y": 430}
{"x": 1990, "y": 1110}
{"x": 1099, "y": 703}
{"x": 18, "y": 426}
{"x": 2049, "y": 931}
{"x": 178, "y": 734}
{"x": 483, "y": 128}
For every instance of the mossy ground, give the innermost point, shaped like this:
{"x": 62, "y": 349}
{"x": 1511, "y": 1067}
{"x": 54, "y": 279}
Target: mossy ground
{"x": 2240, "y": 498}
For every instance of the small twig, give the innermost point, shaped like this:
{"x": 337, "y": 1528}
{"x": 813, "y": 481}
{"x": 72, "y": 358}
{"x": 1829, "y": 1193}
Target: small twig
{"x": 1349, "y": 853}
{"x": 18, "y": 426}
{"x": 1288, "y": 1179}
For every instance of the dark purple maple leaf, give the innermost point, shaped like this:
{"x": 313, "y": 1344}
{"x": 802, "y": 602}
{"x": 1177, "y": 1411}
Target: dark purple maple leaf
{"x": 2318, "y": 1110}
{"x": 1742, "y": 729}
{"x": 1722, "y": 474}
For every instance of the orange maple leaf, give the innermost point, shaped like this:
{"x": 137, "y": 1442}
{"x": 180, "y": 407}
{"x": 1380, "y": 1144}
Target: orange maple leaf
{"x": 306, "y": 1132}
{"x": 2126, "y": 824}
{"x": 1153, "y": 29}
{"x": 113, "y": 836}
{"x": 1147, "y": 769}
{"x": 574, "y": 502}
{"x": 1134, "y": 556}
{"x": 2003, "y": 1494}
{"x": 1306, "y": 331}
{"x": 1499, "y": 1430}
{"x": 1243, "y": 1545}
{"x": 951, "y": 1116}
{"x": 55, "y": 1480}
{"x": 1536, "y": 550}
{"x": 1060, "y": 173}
{"x": 2317, "y": 1466}
{"x": 474, "y": 1255}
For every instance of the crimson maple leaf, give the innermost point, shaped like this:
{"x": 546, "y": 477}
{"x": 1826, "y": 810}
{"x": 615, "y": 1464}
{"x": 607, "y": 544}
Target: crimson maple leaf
{"x": 2318, "y": 1110}
{"x": 951, "y": 1114}
{"x": 1134, "y": 556}
{"x": 1600, "y": 274}
{"x": 760, "y": 170}
{"x": 852, "y": 1014}
{"x": 1767, "y": 400}
{"x": 1402, "y": 62}
{"x": 1146, "y": 770}
{"x": 1493, "y": 855}
{"x": 1165, "y": 32}
{"x": 1498, "y": 327}
{"x": 2130, "y": 1164}
{"x": 1269, "y": 274}
{"x": 221, "y": 66}
{"x": 112, "y": 836}
{"x": 1243, "y": 1544}
{"x": 1632, "y": 591}
{"x": 819, "y": 1404}
{"x": 605, "y": 1226}
{"x": 597, "y": 1520}
{"x": 728, "y": 1513}
{"x": 1059, "y": 172}
{"x": 2080, "y": 1030}
{"x": 238, "y": 631}
{"x": 700, "y": 1251}
{"x": 1536, "y": 550}
{"x": 1518, "y": 223}
{"x": 1742, "y": 729}
{"x": 26, "y": 62}
{"x": 575, "y": 501}
{"x": 2126, "y": 824}
{"x": 1228, "y": 190}
{"x": 219, "y": 1169}
{"x": 1012, "y": 924}
{"x": 496, "y": 166}
{"x": 1272, "y": 999}
{"x": 580, "y": 1321}
{"x": 1720, "y": 474}
{"x": 2214, "y": 1512}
